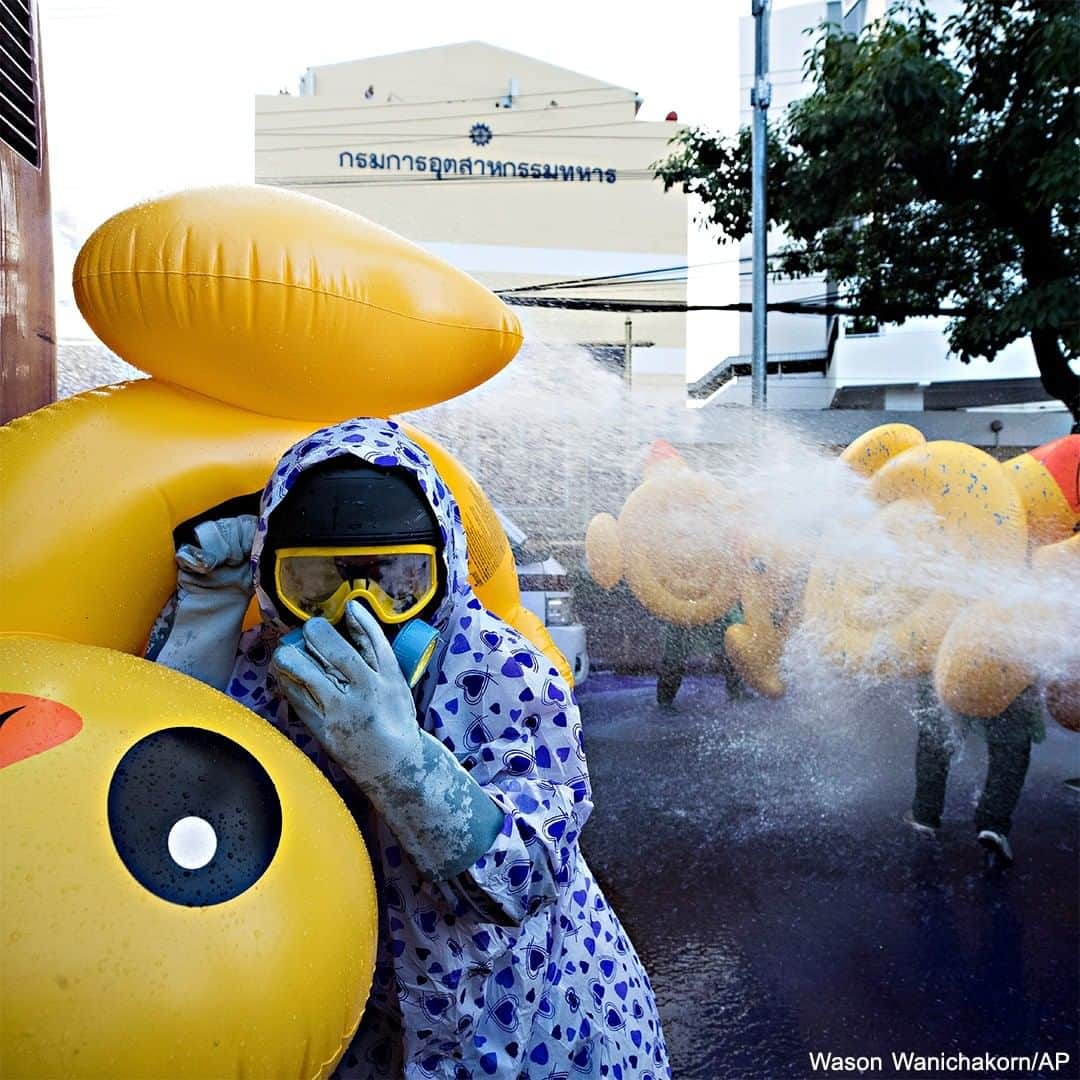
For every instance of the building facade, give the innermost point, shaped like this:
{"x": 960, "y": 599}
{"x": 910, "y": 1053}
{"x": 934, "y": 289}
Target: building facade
{"x": 821, "y": 362}
{"x": 519, "y": 172}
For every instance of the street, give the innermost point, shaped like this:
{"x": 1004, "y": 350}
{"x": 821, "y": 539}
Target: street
{"x": 756, "y": 854}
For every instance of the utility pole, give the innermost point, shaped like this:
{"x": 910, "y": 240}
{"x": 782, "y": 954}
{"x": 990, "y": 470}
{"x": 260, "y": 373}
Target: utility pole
{"x": 759, "y": 101}
{"x": 834, "y": 20}
{"x": 628, "y": 349}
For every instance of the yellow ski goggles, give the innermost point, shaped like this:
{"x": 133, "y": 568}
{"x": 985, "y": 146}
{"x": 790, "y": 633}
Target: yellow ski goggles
{"x": 397, "y": 582}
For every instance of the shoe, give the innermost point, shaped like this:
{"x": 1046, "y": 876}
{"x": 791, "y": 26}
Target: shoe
{"x": 996, "y": 845}
{"x": 927, "y": 832}
{"x": 1073, "y": 782}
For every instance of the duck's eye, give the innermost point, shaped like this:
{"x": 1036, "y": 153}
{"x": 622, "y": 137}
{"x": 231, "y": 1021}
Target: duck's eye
{"x": 194, "y": 817}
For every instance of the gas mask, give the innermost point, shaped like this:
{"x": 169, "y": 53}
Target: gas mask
{"x": 349, "y": 530}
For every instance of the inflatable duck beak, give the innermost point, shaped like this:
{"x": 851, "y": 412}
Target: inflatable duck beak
{"x": 662, "y": 453}
{"x": 30, "y": 725}
{"x": 1047, "y": 480}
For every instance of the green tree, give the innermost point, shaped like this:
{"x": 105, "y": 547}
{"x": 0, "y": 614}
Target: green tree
{"x": 932, "y": 168}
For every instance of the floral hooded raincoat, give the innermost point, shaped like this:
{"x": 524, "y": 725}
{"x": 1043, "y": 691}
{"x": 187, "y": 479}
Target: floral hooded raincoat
{"x": 518, "y": 967}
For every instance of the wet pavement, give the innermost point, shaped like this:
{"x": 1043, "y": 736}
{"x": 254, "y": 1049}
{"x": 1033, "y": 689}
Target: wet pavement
{"x": 755, "y": 853}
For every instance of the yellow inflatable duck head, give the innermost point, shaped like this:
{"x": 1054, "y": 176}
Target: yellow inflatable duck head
{"x": 166, "y": 910}
{"x": 667, "y": 543}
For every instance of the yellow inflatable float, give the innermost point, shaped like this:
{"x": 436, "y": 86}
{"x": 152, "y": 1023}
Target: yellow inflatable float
{"x": 772, "y": 577}
{"x": 121, "y": 468}
{"x": 165, "y": 911}
{"x": 940, "y": 500}
{"x": 261, "y": 316}
{"x": 985, "y": 660}
{"x": 948, "y": 507}
{"x": 674, "y": 545}
{"x": 285, "y": 305}
{"x": 672, "y": 570}
{"x": 950, "y": 503}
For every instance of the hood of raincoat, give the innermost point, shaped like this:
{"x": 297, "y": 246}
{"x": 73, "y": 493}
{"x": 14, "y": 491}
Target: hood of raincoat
{"x": 383, "y": 444}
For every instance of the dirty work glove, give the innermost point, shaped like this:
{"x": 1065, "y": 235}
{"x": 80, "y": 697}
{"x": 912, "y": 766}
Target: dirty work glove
{"x": 356, "y": 702}
{"x": 214, "y": 588}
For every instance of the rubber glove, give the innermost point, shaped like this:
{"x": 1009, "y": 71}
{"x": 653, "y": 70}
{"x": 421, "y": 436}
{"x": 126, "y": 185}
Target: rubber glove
{"x": 356, "y": 702}
{"x": 214, "y": 588}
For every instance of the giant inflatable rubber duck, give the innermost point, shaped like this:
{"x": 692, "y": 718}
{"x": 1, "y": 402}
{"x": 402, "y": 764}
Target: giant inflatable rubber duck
{"x": 1018, "y": 518}
{"x": 671, "y": 545}
{"x": 677, "y": 544}
{"x": 165, "y": 912}
{"x": 260, "y": 315}
{"x": 678, "y": 571}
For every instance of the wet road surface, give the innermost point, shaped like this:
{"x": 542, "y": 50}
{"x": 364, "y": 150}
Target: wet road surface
{"x": 755, "y": 853}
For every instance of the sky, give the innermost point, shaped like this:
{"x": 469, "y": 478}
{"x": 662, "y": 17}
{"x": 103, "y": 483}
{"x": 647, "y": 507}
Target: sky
{"x": 147, "y": 96}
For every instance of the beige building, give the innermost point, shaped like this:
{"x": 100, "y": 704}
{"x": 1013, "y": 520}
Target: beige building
{"x": 518, "y": 172}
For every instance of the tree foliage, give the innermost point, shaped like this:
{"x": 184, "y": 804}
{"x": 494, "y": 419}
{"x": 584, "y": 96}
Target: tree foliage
{"x": 932, "y": 166}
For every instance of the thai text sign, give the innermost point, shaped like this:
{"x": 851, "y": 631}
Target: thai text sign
{"x": 444, "y": 167}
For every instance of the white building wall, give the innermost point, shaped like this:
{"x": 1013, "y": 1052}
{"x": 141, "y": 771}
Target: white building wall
{"x": 918, "y": 352}
{"x": 386, "y": 137}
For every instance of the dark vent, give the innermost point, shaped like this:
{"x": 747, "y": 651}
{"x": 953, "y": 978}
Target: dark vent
{"x": 18, "y": 85}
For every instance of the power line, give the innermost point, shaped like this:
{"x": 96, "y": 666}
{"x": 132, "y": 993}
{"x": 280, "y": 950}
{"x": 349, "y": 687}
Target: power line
{"x": 469, "y": 115}
{"x": 501, "y": 134}
{"x": 791, "y": 307}
{"x": 631, "y": 277}
{"x": 575, "y": 303}
{"x": 681, "y": 279}
{"x": 404, "y": 139}
{"x": 456, "y": 101}
{"x": 568, "y": 131}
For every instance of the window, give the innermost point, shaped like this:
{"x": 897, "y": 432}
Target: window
{"x": 857, "y": 325}
{"x": 18, "y": 81}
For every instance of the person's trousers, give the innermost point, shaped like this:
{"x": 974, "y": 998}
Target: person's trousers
{"x": 672, "y": 664}
{"x": 679, "y": 643}
{"x": 1006, "y": 770}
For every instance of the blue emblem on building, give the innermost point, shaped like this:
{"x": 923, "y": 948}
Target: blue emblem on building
{"x": 480, "y": 134}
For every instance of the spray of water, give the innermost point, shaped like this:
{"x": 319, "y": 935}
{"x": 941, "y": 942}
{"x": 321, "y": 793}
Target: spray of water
{"x": 556, "y": 438}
